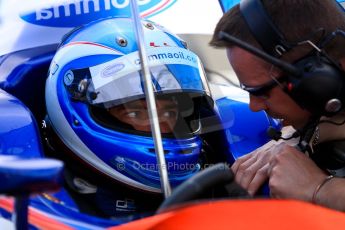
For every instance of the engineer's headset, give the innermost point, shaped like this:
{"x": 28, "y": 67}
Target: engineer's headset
{"x": 315, "y": 82}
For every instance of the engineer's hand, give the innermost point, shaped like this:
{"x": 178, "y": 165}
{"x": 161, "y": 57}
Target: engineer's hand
{"x": 251, "y": 170}
{"x": 292, "y": 174}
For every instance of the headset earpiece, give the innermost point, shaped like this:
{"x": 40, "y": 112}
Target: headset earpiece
{"x": 320, "y": 85}
{"x": 320, "y": 88}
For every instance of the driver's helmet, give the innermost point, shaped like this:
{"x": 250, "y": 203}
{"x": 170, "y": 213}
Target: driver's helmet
{"x": 95, "y": 88}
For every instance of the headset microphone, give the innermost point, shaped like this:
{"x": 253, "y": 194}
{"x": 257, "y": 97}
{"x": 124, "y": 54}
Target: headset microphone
{"x": 273, "y": 133}
{"x": 276, "y": 134}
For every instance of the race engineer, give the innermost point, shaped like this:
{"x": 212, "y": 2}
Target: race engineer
{"x": 294, "y": 70}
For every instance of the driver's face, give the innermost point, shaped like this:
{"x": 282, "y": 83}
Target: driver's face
{"x": 135, "y": 114}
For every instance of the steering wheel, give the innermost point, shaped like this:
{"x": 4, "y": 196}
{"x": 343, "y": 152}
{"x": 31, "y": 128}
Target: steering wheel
{"x": 191, "y": 189}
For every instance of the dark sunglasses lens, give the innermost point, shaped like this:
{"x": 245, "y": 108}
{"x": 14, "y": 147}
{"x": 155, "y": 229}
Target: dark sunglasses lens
{"x": 260, "y": 90}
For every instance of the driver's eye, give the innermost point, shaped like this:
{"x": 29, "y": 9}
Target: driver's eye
{"x": 169, "y": 114}
{"x": 133, "y": 114}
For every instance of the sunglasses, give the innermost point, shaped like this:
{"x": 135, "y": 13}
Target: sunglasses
{"x": 263, "y": 89}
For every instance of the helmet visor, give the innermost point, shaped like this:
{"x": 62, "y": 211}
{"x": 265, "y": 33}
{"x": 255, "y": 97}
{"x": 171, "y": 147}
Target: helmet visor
{"x": 119, "y": 81}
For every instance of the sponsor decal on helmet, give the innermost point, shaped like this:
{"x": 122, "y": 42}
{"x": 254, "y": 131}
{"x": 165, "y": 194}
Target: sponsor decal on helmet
{"x": 112, "y": 69}
{"x": 78, "y": 12}
{"x": 156, "y": 57}
{"x": 175, "y": 57}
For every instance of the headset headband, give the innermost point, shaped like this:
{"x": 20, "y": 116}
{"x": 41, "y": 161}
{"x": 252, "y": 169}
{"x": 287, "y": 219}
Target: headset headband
{"x": 262, "y": 28}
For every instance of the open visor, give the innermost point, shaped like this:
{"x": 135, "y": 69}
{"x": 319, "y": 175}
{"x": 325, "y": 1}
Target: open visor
{"x": 115, "y": 82}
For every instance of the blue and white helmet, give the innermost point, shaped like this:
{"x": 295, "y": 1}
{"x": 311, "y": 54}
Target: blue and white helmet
{"x": 97, "y": 67}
